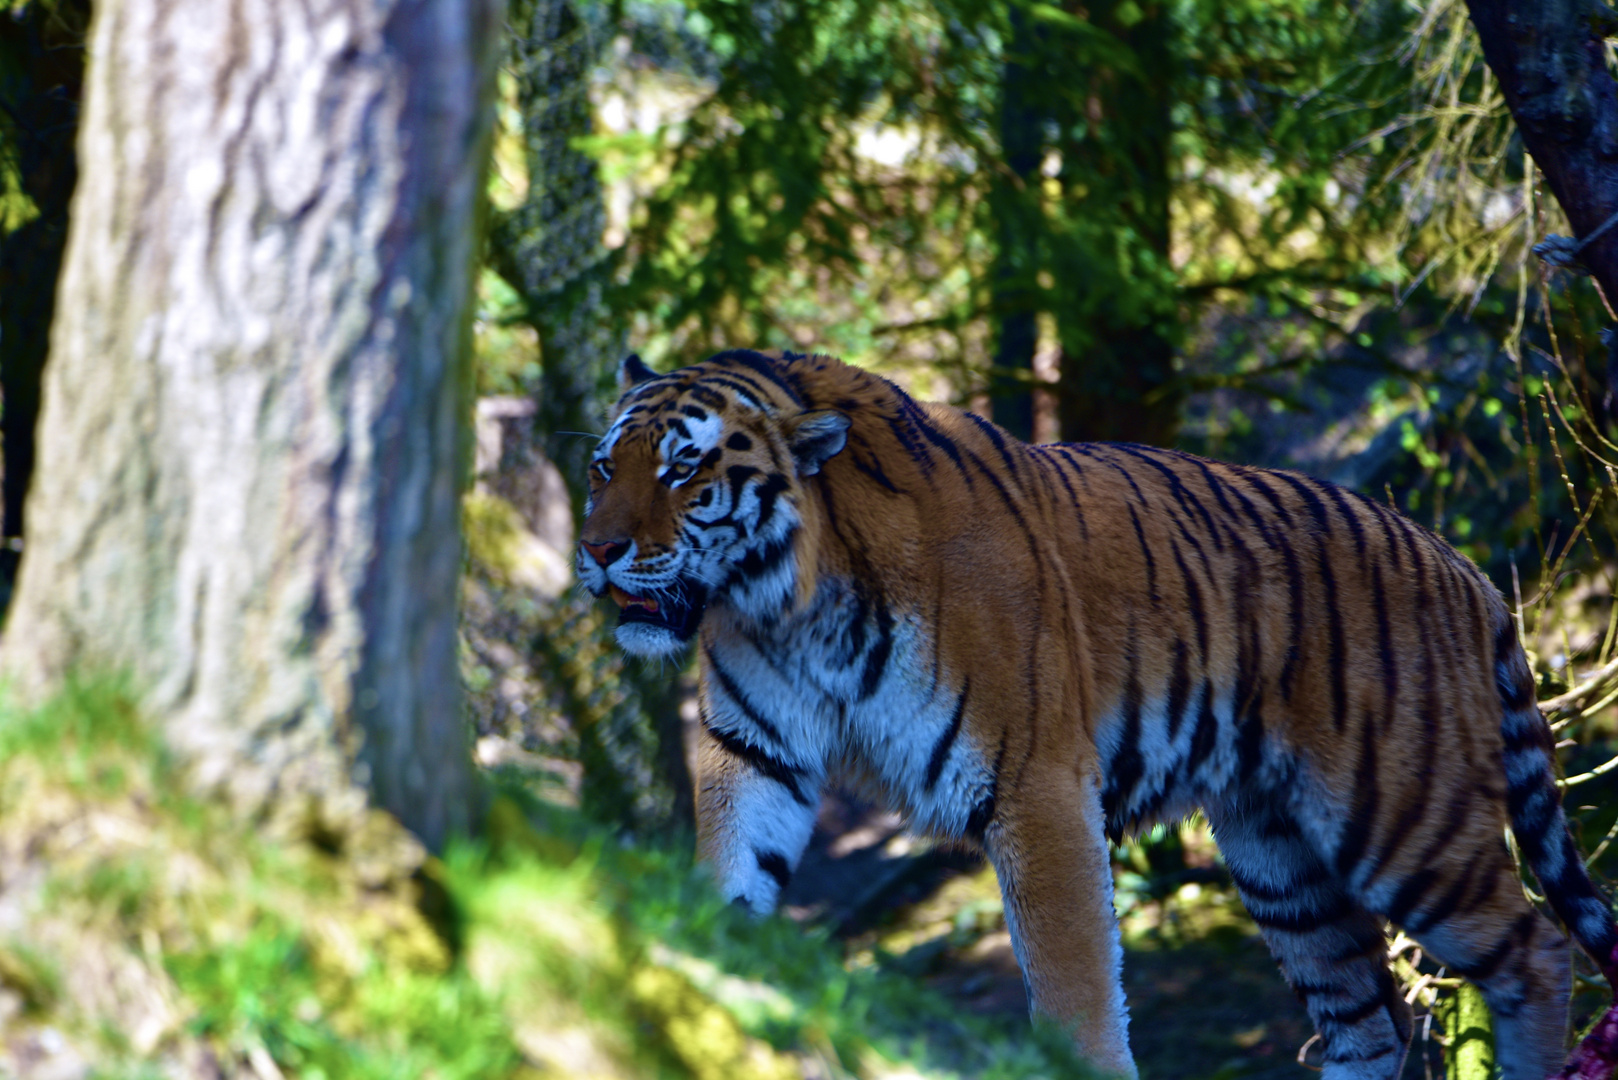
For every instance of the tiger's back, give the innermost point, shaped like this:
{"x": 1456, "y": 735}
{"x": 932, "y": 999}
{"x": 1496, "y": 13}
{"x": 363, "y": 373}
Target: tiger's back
{"x": 1030, "y": 647}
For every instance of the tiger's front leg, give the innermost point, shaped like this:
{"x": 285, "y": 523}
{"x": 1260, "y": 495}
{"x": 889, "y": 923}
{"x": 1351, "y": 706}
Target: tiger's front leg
{"x": 1049, "y": 850}
{"x": 755, "y": 811}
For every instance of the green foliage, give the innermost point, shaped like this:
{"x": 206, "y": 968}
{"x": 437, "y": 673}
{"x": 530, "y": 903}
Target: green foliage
{"x": 573, "y": 954}
{"x": 269, "y": 993}
{"x": 780, "y": 983}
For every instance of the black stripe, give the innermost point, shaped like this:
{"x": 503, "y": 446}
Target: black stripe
{"x": 935, "y": 764}
{"x": 707, "y": 396}
{"x": 1065, "y": 452}
{"x": 938, "y": 439}
{"x": 1388, "y": 519}
{"x": 1384, "y": 642}
{"x": 1151, "y": 563}
{"x": 734, "y": 692}
{"x": 1335, "y": 494}
{"x": 1374, "y": 944}
{"x": 1255, "y": 477}
{"x": 1350, "y": 1057}
{"x": 742, "y": 386}
{"x": 982, "y": 815}
{"x": 1356, "y": 834}
{"x": 1206, "y": 737}
{"x": 1249, "y": 697}
{"x": 1092, "y": 451}
{"x": 1306, "y": 492}
{"x": 999, "y": 442}
{"x": 1350, "y": 1015}
{"x": 1295, "y": 615}
{"x": 876, "y": 661}
{"x": 774, "y": 864}
{"x": 1274, "y": 894}
{"x": 761, "y": 365}
{"x": 873, "y": 469}
{"x": 1193, "y": 599}
{"x": 1306, "y": 920}
{"x": 767, "y": 492}
{"x": 1517, "y": 693}
{"x": 1072, "y": 496}
{"x": 1219, "y": 486}
{"x": 1411, "y": 892}
{"x": 1127, "y": 766}
{"x": 1182, "y": 494}
{"x": 1421, "y": 921}
{"x": 1179, "y": 687}
{"x": 900, "y": 424}
{"x": 1510, "y": 941}
{"x": 767, "y": 766}
{"x": 1336, "y": 658}
{"x": 760, "y": 561}
{"x": 1306, "y": 988}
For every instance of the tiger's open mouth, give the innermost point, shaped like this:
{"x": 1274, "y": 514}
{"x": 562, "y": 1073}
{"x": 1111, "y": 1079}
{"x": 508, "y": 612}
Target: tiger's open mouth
{"x": 680, "y": 616}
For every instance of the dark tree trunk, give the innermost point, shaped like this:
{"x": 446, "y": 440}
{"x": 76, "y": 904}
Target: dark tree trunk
{"x": 1018, "y": 223}
{"x": 1117, "y": 379}
{"x": 39, "y": 116}
{"x": 251, "y": 443}
{"x": 1549, "y": 58}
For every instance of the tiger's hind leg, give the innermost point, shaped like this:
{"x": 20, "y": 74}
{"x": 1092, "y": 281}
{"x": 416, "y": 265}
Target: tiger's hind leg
{"x": 1486, "y": 932}
{"x": 1332, "y": 951}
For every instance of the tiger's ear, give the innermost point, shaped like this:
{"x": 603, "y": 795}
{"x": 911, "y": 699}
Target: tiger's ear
{"x": 816, "y": 438}
{"x": 632, "y": 372}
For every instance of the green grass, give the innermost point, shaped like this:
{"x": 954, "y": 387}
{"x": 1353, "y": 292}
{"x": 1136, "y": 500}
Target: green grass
{"x": 552, "y": 949}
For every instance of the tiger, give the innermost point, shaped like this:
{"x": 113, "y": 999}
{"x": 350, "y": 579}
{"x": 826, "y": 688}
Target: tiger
{"x": 1033, "y": 649}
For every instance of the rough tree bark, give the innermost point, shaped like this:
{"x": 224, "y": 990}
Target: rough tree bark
{"x": 1549, "y": 58}
{"x": 250, "y": 452}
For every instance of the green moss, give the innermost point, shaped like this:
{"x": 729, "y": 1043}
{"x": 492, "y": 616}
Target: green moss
{"x": 34, "y": 976}
{"x": 493, "y": 530}
{"x": 548, "y": 948}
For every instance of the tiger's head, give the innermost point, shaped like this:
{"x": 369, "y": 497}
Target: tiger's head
{"x": 697, "y": 496}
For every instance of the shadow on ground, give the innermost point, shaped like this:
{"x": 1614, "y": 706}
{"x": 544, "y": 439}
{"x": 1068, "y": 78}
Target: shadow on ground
{"x": 1205, "y": 1004}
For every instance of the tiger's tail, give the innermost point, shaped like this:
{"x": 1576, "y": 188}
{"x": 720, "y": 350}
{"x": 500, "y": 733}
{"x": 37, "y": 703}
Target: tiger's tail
{"x": 1535, "y": 806}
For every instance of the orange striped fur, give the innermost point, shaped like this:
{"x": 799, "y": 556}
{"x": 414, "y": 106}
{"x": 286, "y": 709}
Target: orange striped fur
{"x": 1033, "y": 647}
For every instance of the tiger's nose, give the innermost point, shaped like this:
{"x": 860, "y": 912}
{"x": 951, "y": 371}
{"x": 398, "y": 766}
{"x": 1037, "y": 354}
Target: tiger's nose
{"x": 608, "y": 553}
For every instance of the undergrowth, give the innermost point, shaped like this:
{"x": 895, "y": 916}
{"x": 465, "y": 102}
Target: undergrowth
{"x": 149, "y": 931}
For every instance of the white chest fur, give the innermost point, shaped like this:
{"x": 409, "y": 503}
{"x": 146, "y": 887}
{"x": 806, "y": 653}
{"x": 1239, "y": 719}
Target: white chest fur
{"x": 851, "y": 683}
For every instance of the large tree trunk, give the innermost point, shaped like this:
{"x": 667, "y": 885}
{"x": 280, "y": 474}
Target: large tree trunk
{"x": 250, "y": 453}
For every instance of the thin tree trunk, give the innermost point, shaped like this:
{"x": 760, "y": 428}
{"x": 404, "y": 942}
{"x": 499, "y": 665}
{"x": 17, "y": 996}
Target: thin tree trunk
{"x": 250, "y": 453}
{"x": 1019, "y": 225}
{"x": 1117, "y": 379}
